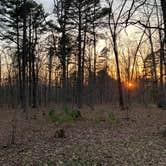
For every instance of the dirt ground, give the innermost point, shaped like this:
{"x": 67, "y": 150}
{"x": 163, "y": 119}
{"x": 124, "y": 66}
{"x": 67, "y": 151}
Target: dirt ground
{"x": 89, "y": 141}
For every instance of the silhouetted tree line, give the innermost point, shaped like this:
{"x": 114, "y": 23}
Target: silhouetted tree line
{"x": 53, "y": 58}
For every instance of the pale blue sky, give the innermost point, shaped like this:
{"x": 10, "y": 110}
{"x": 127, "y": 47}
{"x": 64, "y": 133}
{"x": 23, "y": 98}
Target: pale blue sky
{"x": 47, "y": 4}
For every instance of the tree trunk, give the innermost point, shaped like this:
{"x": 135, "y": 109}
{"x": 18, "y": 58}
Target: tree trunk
{"x": 121, "y": 101}
{"x": 34, "y": 82}
{"x": 24, "y": 58}
{"x": 64, "y": 58}
{"x": 64, "y": 83}
{"x": 155, "y": 87}
{"x": 163, "y": 4}
{"x": 79, "y": 82}
{"x": 161, "y": 90}
{"x": 30, "y": 63}
{"x": 50, "y": 74}
{"x": 19, "y": 60}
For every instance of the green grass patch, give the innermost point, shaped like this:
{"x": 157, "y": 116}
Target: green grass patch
{"x": 107, "y": 115}
{"x": 64, "y": 116}
{"x": 113, "y": 119}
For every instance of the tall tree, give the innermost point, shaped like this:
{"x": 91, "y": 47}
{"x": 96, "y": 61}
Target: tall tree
{"x": 118, "y": 21}
{"x": 84, "y": 15}
{"x": 163, "y": 5}
{"x": 62, "y": 12}
{"x": 22, "y": 21}
{"x": 10, "y": 17}
{"x": 24, "y": 13}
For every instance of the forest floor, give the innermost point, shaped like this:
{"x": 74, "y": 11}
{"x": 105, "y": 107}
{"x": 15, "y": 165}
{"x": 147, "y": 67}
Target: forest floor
{"x": 96, "y": 139}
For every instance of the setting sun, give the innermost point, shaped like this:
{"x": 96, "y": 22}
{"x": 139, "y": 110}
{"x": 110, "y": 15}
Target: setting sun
{"x": 130, "y": 85}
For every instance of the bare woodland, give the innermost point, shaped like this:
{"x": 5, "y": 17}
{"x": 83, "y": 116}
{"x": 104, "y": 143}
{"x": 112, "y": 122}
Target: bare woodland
{"x": 82, "y": 83}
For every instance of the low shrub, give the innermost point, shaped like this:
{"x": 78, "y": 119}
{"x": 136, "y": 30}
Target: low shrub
{"x": 74, "y": 114}
{"x": 66, "y": 115}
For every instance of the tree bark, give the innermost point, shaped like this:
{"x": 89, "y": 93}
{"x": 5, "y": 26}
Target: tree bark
{"x": 121, "y": 101}
{"x": 163, "y": 5}
{"x": 24, "y": 58}
{"x": 79, "y": 82}
{"x": 50, "y": 74}
{"x": 34, "y": 82}
{"x": 19, "y": 57}
{"x": 155, "y": 86}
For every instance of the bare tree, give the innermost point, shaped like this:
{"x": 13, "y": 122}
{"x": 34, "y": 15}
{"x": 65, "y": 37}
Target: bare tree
{"x": 119, "y": 17}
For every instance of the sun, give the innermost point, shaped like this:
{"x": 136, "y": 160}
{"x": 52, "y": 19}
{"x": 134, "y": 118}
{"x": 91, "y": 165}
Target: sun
{"x": 130, "y": 85}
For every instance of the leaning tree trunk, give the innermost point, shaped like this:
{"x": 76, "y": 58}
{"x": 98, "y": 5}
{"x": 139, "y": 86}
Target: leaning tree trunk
{"x": 121, "y": 101}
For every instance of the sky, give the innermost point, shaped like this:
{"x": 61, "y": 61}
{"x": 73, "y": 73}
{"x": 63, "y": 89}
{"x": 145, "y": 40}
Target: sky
{"x": 47, "y": 4}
